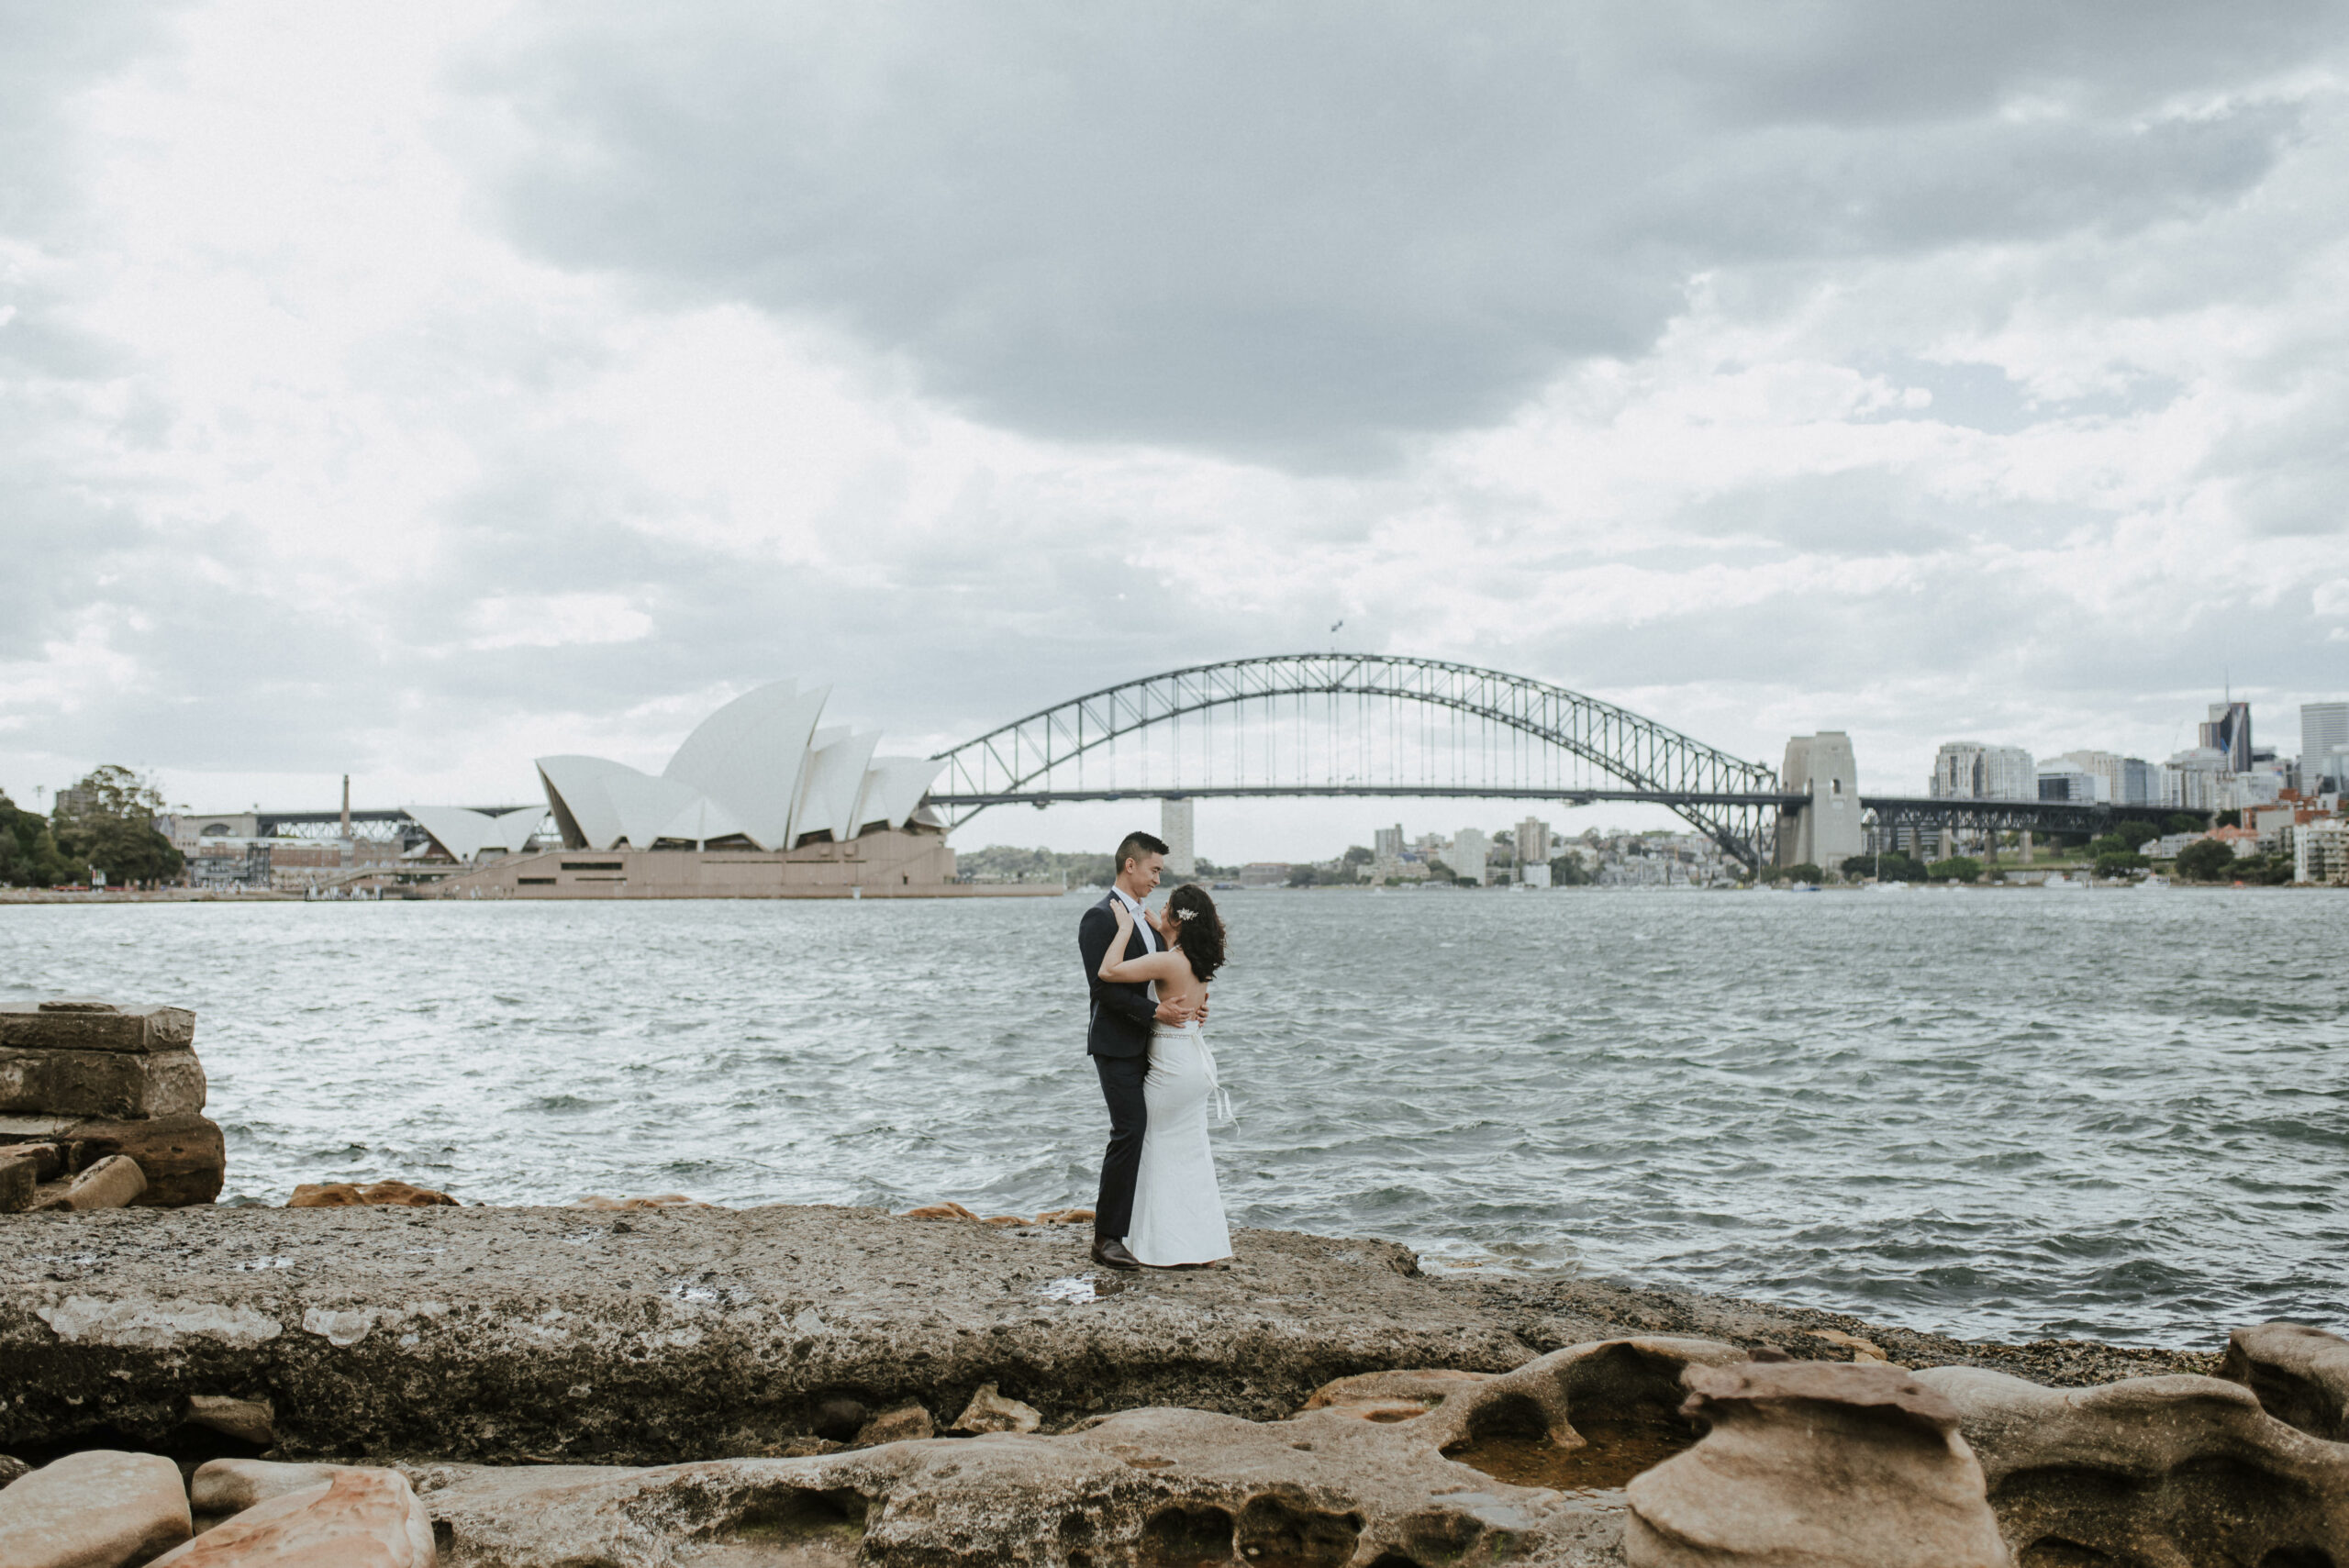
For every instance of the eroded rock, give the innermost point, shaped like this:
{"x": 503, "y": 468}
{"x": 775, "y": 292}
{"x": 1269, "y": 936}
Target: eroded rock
{"x": 1589, "y": 1416}
{"x": 360, "y": 1519}
{"x": 12, "y": 1469}
{"x": 119, "y": 1084}
{"x": 989, "y": 1411}
{"x": 98, "y": 1508}
{"x": 2179, "y": 1471}
{"x": 1154, "y": 1487}
{"x": 907, "y": 1423}
{"x": 2300, "y": 1374}
{"x": 1825, "y": 1465}
{"x": 222, "y": 1486}
{"x": 248, "y": 1421}
{"x": 114, "y": 1181}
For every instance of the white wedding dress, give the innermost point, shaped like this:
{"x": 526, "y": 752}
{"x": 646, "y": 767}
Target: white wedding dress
{"x": 1178, "y": 1211}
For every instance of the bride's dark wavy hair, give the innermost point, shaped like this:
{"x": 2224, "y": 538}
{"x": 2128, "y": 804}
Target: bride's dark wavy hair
{"x": 1199, "y": 929}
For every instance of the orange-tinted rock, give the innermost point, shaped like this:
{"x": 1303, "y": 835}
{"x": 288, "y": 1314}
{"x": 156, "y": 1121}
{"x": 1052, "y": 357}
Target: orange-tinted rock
{"x": 97, "y": 1509}
{"x": 325, "y": 1194}
{"x": 1821, "y": 1463}
{"x": 360, "y": 1519}
{"x": 347, "y": 1194}
{"x": 1065, "y": 1217}
{"x": 948, "y": 1211}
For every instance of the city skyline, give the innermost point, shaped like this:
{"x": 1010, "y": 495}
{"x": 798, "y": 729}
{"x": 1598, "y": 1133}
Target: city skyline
{"x": 405, "y": 394}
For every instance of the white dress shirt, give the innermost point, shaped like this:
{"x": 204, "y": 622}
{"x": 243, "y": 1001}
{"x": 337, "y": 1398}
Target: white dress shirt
{"x": 1141, "y": 924}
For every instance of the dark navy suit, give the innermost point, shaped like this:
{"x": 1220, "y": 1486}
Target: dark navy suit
{"x": 1118, "y": 1039}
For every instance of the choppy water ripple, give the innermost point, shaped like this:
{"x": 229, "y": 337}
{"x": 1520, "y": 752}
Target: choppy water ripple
{"x": 2119, "y": 1115}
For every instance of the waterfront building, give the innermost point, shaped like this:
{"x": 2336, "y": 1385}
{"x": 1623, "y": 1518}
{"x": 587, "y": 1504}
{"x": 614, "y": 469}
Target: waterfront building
{"x": 1387, "y": 843}
{"x": 1174, "y": 827}
{"x": 2108, "y": 769}
{"x": 2071, "y": 785}
{"x": 2228, "y": 732}
{"x": 1265, "y": 873}
{"x": 758, "y": 774}
{"x": 2193, "y": 779}
{"x": 1533, "y": 841}
{"x": 758, "y": 802}
{"x": 1969, "y": 770}
{"x": 2320, "y": 852}
{"x": 1470, "y": 850}
{"x": 2324, "y": 737}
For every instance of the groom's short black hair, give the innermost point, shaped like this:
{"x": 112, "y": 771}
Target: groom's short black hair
{"x": 1134, "y": 846}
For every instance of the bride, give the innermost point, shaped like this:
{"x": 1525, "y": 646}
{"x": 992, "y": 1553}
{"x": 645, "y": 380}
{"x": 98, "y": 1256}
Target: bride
{"x": 1178, "y": 1213}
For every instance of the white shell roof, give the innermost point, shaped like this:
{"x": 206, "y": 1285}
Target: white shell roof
{"x": 466, "y": 833}
{"x": 757, "y": 767}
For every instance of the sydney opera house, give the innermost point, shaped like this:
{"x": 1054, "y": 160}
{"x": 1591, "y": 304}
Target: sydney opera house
{"x": 761, "y": 801}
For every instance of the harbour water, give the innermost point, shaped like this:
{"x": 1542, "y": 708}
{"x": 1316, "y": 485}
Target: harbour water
{"x": 2117, "y": 1115}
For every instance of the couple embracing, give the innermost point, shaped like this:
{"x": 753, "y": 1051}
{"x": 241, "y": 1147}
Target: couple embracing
{"x": 1148, "y": 972}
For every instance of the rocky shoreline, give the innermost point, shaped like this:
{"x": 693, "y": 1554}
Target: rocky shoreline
{"x": 682, "y": 1385}
{"x": 660, "y": 1335}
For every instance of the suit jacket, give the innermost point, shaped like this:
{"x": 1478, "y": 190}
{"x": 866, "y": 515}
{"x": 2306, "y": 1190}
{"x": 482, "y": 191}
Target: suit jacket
{"x": 1123, "y": 1010}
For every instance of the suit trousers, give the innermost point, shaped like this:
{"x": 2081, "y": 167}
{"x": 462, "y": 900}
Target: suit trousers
{"x": 1121, "y": 1082}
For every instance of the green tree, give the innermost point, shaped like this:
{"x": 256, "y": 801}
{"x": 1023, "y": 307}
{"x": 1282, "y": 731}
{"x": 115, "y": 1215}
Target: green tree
{"x": 1957, "y": 868}
{"x": 1567, "y": 871}
{"x": 29, "y": 855}
{"x": 2227, "y": 819}
{"x": 2136, "y": 835}
{"x": 2207, "y": 860}
{"x": 2180, "y": 822}
{"x": 2120, "y": 863}
{"x": 111, "y": 825}
{"x": 1356, "y": 855}
{"x": 1893, "y": 865}
{"x": 2110, "y": 844}
{"x": 1805, "y": 872}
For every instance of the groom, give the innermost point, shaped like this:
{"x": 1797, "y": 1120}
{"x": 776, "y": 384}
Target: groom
{"x": 1119, "y": 1038}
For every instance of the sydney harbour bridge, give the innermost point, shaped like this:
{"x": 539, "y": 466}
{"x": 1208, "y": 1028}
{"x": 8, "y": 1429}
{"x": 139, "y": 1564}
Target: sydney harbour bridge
{"x": 1368, "y": 725}
{"x": 1306, "y": 725}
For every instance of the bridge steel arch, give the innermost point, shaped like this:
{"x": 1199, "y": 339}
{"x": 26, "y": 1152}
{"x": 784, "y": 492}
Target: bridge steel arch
{"x": 1727, "y": 799}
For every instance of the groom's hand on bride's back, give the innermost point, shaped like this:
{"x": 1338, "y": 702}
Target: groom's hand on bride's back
{"x": 1181, "y": 1013}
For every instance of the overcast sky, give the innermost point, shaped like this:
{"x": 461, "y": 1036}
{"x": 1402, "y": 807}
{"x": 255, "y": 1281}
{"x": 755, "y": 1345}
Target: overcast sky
{"x": 413, "y": 390}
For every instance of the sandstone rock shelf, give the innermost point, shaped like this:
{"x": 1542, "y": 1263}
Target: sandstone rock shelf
{"x": 657, "y": 1336}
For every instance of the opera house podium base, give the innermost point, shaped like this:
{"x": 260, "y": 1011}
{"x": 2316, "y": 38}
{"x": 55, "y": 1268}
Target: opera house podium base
{"x": 881, "y": 863}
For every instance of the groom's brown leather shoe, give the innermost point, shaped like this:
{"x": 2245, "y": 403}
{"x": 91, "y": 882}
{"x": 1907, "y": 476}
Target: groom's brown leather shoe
{"x": 1113, "y": 1255}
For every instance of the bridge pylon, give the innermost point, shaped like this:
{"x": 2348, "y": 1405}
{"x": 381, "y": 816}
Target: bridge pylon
{"x": 1825, "y": 829}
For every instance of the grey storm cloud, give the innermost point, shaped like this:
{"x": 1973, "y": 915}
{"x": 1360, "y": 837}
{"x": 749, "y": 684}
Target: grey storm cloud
{"x": 1298, "y": 232}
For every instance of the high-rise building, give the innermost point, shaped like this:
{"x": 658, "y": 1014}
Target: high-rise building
{"x": 1469, "y": 849}
{"x": 2229, "y": 731}
{"x": 2193, "y": 779}
{"x": 1533, "y": 841}
{"x": 1387, "y": 843}
{"x": 2108, "y": 768}
{"x": 2141, "y": 783}
{"x": 1174, "y": 827}
{"x": 2324, "y": 728}
{"x": 1968, "y": 770}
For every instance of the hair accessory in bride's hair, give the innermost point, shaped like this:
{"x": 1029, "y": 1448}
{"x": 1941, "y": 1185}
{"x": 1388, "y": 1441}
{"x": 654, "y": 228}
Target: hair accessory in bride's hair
{"x": 1184, "y": 914}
